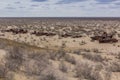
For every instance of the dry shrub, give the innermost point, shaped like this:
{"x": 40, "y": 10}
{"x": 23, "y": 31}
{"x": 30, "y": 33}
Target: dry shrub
{"x": 86, "y": 50}
{"x": 63, "y": 67}
{"x": 70, "y": 59}
{"x": 49, "y": 76}
{"x": 78, "y": 52}
{"x": 88, "y": 70}
{"x": 118, "y": 35}
{"x": 93, "y": 57}
{"x": 35, "y": 63}
{"x": 63, "y": 45}
{"x": 14, "y": 59}
{"x": 53, "y": 56}
{"x": 99, "y": 73}
{"x": 2, "y": 45}
{"x": 52, "y": 74}
{"x": 34, "y": 67}
{"x": 82, "y": 43}
{"x": 83, "y": 69}
{"x": 10, "y": 76}
{"x": 119, "y": 55}
{"x": 5, "y": 74}
{"x": 58, "y": 55}
{"x": 39, "y": 56}
{"x": 96, "y": 50}
{"x": 3, "y": 71}
{"x": 61, "y": 52}
{"x": 11, "y": 62}
{"x": 114, "y": 66}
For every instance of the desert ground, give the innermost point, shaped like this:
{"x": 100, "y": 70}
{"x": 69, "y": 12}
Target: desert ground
{"x": 59, "y": 49}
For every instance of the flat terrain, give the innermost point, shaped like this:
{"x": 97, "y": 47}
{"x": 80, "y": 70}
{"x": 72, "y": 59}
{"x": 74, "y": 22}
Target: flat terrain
{"x": 58, "y": 49}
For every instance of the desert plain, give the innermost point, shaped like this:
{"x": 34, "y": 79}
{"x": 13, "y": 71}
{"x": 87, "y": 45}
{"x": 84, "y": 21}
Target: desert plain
{"x": 59, "y": 49}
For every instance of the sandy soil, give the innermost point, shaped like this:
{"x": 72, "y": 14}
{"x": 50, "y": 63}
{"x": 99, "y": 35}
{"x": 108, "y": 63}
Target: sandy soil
{"x": 80, "y": 49}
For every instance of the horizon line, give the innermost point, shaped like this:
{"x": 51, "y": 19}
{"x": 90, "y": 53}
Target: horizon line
{"x": 57, "y": 17}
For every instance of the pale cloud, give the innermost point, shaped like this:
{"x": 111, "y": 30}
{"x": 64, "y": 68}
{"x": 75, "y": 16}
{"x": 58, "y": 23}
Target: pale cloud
{"x": 65, "y": 8}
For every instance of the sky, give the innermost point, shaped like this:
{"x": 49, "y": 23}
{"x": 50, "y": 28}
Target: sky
{"x": 59, "y": 8}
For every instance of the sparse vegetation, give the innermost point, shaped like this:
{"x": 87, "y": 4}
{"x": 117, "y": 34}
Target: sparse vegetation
{"x": 78, "y": 52}
{"x": 53, "y": 56}
{"x": 3, "y": 71}
{"x": 95, "y": 50}
{"x": 93, "y": 57}
{"x": 63, "y": 66}
{"x": 60, "y": 54}
{"x": 114, "y": 67}
{"x": 87, "y": 50}
{"x": 35, "y": 63}
{"x": 82, "y": 43}
{"x": 50, "y": 74}
{"x": 58, "y": 49}
{"x": 88, "y": 70}
{"x": 70, "y": 59}
{"x": 119, "y": 55}
{"x": 14, "y": 59}
{"x": 83, "y": 70}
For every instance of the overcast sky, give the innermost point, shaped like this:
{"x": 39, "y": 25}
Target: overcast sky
{"x": 59, "y": 8}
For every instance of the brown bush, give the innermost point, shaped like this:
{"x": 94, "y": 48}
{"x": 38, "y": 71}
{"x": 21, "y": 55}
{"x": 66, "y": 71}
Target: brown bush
{"x": 70, "y": 59}
{"x": 114, "y": 66}
{"x": 78, "y": 52}
{"x": 14, "y": 59}
{"x": 49, "y": 76}
{"x": 83, "y": 70}
{"x": 89, "y": 70}
{"x": 10, "y": 76}
{"x": 3, "y": 71}
{"x": 52, "y": 74}
{"x": 119, "y": 55}
{"x": 60, "y": 54}
{"x": 93, "y": 57}
{"x": 95, "y": 50}
{"x": 35, "y": 63}
{"x": 53, "y": 56}
{"x": 63, "y": 67}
